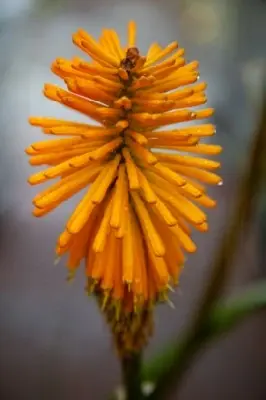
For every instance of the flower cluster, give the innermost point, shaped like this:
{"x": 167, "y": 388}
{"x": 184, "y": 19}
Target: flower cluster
{"x": 134, "y": 222}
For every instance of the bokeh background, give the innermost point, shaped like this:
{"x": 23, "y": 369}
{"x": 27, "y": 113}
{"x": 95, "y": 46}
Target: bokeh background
{"x": 53, "y": 342}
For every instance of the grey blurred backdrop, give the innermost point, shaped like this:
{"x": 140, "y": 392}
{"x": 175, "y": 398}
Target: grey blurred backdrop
{"x": 53, "y": 342}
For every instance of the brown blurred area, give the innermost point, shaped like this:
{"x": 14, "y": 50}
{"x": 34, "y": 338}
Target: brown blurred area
{"x": 53, "y": 342}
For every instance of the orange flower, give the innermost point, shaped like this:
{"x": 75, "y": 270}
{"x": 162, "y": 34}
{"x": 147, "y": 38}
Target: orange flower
{"x": 134, "y": 222}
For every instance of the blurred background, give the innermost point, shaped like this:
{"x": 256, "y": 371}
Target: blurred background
{"x": 53, "y": 342}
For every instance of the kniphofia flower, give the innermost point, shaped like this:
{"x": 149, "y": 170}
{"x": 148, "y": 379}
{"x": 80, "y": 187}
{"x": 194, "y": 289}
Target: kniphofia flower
{"x": 134, "y": 222}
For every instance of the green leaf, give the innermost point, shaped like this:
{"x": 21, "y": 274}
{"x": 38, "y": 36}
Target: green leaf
{"x": 223, "y": 317}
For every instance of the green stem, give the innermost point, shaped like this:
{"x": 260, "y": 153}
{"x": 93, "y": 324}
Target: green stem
{"x": 131, "y": 370}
